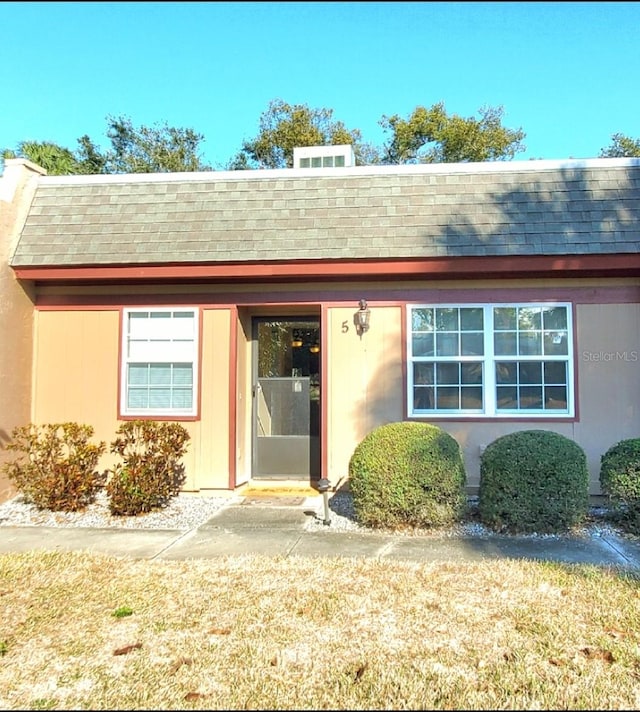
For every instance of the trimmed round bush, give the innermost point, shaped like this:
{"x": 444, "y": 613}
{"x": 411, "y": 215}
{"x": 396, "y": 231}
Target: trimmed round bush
{"x": 533, "y": 481}
{"x": 620, "y": 481}
{"x": 408, "y": 474}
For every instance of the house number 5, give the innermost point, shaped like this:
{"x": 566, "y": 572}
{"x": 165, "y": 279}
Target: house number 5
{"x": 345, "y": 327}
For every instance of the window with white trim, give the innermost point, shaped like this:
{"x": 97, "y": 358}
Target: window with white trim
{"x": 159, "y": 362}
{"x": 493, "y": 360}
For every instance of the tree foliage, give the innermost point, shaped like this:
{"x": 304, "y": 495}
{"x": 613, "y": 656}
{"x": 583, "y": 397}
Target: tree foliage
{"x": 157, "y": 149}
{"x": 283, "y": 127}
{"x": 427, "y": 135}
{"x": 622, "y": 147}
{"x": 56, "y": 160}
{"x": 430, "y": 135}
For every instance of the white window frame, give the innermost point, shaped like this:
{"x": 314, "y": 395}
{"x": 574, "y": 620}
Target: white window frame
{"x": 489, "y": 359}
{"x": 161, "y": 348}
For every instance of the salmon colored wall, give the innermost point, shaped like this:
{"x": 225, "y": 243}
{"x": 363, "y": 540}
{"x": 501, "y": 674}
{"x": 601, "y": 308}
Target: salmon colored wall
{"x": 365, "y": 381}
{"x": 608, "y": 362}
{"x": 76, "y": 379}
{"x": 208, "y": 467}
{"x": 366, "y": 390}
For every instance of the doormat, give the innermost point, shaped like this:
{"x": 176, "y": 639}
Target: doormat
{"x": 273, "y": 501}
{"x": 257, "y": 491}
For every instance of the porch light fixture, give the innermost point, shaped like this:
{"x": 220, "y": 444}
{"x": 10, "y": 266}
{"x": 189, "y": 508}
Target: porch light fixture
{"x": 314, "y": 348}
{"x": 296, "y": 342}
{"x": 361, "y": 317}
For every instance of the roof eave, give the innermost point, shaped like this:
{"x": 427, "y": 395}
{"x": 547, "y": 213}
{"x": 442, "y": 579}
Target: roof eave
{"x": 592, "y": 265}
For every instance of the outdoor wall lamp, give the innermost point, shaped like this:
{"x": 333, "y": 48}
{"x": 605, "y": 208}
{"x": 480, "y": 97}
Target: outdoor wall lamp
{"x": 362, "y": 317}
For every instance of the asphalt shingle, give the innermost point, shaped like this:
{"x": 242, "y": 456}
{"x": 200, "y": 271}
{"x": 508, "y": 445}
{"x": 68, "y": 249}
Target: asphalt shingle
{"x": 410, "y": 211}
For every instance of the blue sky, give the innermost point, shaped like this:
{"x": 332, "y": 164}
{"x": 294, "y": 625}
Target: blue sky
{"x": 567, "y": 73}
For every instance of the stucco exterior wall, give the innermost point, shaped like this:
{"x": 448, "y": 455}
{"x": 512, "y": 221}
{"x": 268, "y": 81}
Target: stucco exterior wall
{"x": 16, "y": 310}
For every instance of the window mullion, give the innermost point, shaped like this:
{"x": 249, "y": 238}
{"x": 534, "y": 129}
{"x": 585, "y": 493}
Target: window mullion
{"x": 489, "y": 383}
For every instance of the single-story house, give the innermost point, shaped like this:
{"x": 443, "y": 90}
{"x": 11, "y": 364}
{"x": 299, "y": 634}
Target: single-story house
{"x": 281, "y": 315}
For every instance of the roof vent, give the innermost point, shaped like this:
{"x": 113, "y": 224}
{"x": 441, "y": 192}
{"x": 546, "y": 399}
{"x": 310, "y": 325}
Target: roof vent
{"x": 324, "y": 157}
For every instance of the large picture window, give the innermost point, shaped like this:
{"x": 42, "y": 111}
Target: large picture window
{"x": 159, "y": 362}
{"x": 490, "y": 360}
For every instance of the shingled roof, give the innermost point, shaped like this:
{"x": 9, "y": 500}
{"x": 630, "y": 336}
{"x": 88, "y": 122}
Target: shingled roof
{"x": 390, "y": 212}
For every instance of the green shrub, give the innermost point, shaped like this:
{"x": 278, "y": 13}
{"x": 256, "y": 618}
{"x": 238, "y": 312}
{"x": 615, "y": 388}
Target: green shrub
{"x": 150, "y": 473}
{"x": 620, "y": 481}
{"x": 533, "y": 481}
{"x": 407, "y": 474}
{"x": 57, "y": 466}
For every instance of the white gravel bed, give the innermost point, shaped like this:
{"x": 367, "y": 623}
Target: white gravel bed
{"x": 342, "y": 518}
{"x": 183, "y": 512}
{"x": 186, "y": 512}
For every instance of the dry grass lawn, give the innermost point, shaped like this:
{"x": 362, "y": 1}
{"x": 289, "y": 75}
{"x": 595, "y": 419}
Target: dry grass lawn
{"x": 88, "y": 632}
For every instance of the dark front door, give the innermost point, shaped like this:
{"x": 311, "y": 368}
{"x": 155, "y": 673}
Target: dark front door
{"x": 286, "y": 398}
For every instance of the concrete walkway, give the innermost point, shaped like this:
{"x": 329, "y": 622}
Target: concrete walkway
{"x": 238, "y": 530}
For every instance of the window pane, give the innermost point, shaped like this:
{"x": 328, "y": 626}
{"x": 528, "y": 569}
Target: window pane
{"x": 530, "y": 343}
{"x": 554, "y": 317}
{"x": 471, "y": 373}
{"x": 555, "y": 398}
{"x": 531, "y": 398}
{"x": 529, "y": 318}
{"x": 423, "y": 398}
{"x": 316, "y": 162}
{"x": 182, "y": 374}
{"x": 555, "y": 343}
{"x": 305, "y": 162}
{"x": 504, "y": 318}
{"x": 506, "y": 372}
{"x": 182, "y": 398}
{"x": 422, "y": 344}
{"x": 159, "y": 374}
{"x": 471, "y": 319}
{"x": 447, "y": 319}
{"x": 183, "y": 326}
{"x": 138, "y": 374}
{"x": 505, "y": 343}
{"x": 555, "y": 372}
{"x": 327, "y": 162}
{"x": 447, "y": 398}
{"x": 137, "y": 398}
{"x": 423, "y": 373}
{"x": 530, "y": 373}
{"x": 339, "y": 161}
{"x": 472, "y": 344}
{"x": 160, "y": 398}
{"x": 507, "y": 397}
{"x": 448, "y": 373}
{"x": 138, "y": 325}
{"x": 447, "y": 345}
{"x": 422, "y": 320}
{"x": 471, "y": 398}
